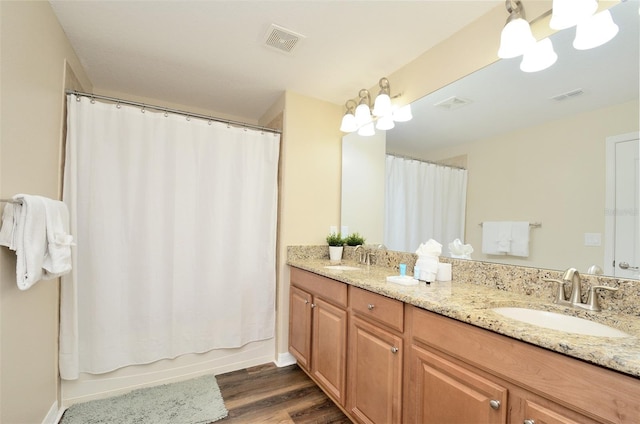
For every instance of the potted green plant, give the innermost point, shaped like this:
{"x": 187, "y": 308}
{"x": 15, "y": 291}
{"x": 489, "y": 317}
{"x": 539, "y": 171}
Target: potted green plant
{"x": 336, "y": 245}
{"x": 354, "y": 239}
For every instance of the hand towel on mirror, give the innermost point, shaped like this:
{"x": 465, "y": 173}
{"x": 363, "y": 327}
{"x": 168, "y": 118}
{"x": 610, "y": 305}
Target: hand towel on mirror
{"x": 496, "y": 237}
{"x": 520, "y": 238}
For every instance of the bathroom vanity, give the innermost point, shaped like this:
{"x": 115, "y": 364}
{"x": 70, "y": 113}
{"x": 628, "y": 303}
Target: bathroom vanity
{"x": 439, "y": 353}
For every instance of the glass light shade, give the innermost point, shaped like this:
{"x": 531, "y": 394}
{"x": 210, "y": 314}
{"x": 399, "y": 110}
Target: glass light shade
{"x": 568, "y": 13}
{"x": 367, "y": 130}
{"x": 595, "y": 31}
{"x": 403, "y": 114}
{"x": 385, "y": 122}
{"x": 363, "y": 115}
{"x": 539, "y": 57}
{"x": 515, "y": 39}
{"x": 349, "y": 123}
{"x": 382, "y": 106}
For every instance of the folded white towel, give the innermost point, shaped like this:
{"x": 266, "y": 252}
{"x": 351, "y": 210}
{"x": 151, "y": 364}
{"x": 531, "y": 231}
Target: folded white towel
{"x": 496, "y": 237}
{"x": 9, "y": 222}
{"x": 57, "y": 259}
{"x": 41, "y": 240}
{"x": 520, "y": 238}
{"x": 30, "y": 241}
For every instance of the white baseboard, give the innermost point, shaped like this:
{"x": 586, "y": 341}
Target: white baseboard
{"x": 285, "y": 359}
{"x": 54, "y": 414}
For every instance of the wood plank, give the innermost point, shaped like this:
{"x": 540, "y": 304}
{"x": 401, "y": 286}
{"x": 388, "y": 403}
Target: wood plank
{"x": 268, "y": 394}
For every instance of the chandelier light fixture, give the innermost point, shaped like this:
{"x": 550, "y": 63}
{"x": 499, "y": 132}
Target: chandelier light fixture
{"x": 516, "y": 37}
{"x": 592, "y": 30}
{"x": 568, "y": 13}
{"x": 595, "y": 31}
{"x": 365, "y": 119}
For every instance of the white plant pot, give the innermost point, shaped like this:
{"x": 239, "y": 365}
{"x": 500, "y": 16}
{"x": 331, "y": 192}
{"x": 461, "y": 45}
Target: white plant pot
{"x": 335, "y": 253}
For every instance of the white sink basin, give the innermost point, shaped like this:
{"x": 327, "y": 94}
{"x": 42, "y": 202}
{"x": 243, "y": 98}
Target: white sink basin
{"x": 560, "y": 322}
{"x": 342, "y": 267}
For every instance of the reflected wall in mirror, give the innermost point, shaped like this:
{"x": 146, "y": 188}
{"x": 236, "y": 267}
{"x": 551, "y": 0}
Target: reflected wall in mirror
{"x": 534, "y": 145}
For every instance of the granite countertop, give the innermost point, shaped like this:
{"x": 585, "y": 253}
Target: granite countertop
{"x": 472, "y": 304}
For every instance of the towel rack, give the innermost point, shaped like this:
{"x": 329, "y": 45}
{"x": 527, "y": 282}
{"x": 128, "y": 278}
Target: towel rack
{"x": 19, "y": 202}
{"x": 531, "y": 224}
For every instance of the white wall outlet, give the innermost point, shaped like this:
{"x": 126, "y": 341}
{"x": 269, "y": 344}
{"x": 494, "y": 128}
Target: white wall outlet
{"x": 592, "y": 239}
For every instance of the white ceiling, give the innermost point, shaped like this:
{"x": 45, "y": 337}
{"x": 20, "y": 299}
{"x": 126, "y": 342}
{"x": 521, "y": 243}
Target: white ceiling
{"x": 210, "y": 54}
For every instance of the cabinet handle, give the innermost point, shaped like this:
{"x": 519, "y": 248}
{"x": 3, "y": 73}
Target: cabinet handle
{"x": 494, "y": 404}
{"x": 371, "y": 306}
{"x": 313, "y": 305}
{"x": 306, "y": 301}
{"x": 394, "y": 349}
{"x": 529, "y": 422}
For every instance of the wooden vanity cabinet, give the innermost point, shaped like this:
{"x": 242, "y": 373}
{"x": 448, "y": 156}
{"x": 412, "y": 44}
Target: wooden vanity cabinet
{"x": 318, "y": 330}
{"x": 540, "y": 386}
{"x": 444, "y": 392}
{"x": 376, "y": 349}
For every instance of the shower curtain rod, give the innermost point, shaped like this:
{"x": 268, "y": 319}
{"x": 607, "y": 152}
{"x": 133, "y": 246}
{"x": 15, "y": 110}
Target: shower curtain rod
{"x": 425, "y": 161}
{"x": 145, "y": 106}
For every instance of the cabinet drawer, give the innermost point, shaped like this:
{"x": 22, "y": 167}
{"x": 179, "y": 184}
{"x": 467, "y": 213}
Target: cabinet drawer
{"x": 330, "y": 290}
{"x": 377, "y": 307}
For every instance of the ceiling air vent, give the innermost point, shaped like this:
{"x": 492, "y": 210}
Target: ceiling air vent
{"x": 452, "y": 103}
{"x": 568, "y": 95}
{"x": 282, "y": 39}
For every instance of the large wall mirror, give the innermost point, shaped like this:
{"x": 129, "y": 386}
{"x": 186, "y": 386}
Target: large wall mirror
{"x": 536, "y": 147}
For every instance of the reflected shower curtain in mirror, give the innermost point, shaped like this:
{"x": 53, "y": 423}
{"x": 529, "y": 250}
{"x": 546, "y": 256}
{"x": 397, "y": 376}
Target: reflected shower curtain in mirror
{"x": 423, "y": 201}
{"x": 175, "y": 223}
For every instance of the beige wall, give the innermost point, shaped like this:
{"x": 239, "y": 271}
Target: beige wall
{"x": 310, "y": 168}
{"x": 552, "y": 173}
{"x": 33, "y": 54}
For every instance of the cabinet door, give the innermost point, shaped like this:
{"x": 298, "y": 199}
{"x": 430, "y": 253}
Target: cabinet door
{"x": 538, "y": 414}
{"x": 448, "y": 393}
{"x": 300, "y": 326}
{"x": 375, "y": 371}
{"x": 329, "y": 348}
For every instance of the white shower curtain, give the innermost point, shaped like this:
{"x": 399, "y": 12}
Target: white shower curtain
{"x": 423, "y": 201}
{"x": 175, "y": 224}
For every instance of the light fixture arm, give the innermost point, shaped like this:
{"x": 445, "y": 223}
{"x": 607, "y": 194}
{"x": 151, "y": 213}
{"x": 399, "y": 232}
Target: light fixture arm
{"x": 385, "y": 87}
{"x": 351, "y": 106}
{"x": 515, "y": 9}
{"x": 365, "y": 97}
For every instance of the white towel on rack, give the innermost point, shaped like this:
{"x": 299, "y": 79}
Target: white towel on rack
{"x": 496, "y": 237}
{"x": 57, "y": 258}
{"x": 520, "y": 238}
{"x": 9, "y": 222}
{"x": 42, "y": 242}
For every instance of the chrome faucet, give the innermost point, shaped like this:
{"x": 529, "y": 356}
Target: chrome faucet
{"x": 572, "y": 276}
{"x": 361, "y": 253}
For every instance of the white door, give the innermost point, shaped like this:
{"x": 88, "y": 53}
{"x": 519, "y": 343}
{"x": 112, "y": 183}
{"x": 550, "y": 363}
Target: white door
{"x": 623, "y": 229}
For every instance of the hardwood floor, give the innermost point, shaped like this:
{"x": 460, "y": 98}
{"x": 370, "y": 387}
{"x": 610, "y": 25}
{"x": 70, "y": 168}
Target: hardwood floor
{"x": 268, "y": 394}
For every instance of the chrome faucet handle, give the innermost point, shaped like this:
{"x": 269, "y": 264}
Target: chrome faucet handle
{"x": 369, "y": 255}
{"x": 592, "y": 302}
{"x": 561, "y": 298}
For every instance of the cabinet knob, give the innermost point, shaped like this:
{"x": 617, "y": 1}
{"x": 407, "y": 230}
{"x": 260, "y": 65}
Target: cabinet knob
{"x": 313, "y": 305}
{"x": 529, "y": 422}
{"x": 494, "y": 404}
{"x": 306, "y": 301}
{"x": 370, "y": 306}
{"x": 394, "y": 349}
